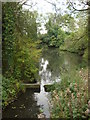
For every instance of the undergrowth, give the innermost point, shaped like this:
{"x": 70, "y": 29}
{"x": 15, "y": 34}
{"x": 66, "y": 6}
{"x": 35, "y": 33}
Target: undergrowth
{"x": 70, "y": 97}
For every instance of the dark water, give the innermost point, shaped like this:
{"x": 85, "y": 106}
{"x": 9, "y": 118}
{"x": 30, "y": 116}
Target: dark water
{"x": 24, "y": 107}
{"x": 52, "y": 64}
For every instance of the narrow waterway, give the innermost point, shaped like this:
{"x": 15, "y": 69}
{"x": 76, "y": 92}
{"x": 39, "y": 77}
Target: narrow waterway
{"x": 31, "y": 104}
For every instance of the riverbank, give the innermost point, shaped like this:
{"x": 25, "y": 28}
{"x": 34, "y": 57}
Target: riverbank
{"x": 58, "y": 67}
{"x": 76, "y": 47}
{"x": 70, "y": 96}
{"x": 11, "y": 89}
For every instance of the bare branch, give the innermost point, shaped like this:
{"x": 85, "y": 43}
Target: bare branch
{"x": 50, "y": 3}
{"x": 23, "y": 2}
{"x": 78, "y": 9}
{"x": 30, "y": 5}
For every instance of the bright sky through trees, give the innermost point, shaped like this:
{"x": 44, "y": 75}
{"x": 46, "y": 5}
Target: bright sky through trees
{"x": 43, "y": 7}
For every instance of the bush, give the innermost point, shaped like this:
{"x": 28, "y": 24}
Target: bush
{"x": 10, "y": 88}
{"x": 70, "y": 98}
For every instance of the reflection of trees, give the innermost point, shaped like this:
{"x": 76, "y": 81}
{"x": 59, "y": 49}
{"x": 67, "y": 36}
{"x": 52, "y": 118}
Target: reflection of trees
{"x": 54, "y": 61}
{"x": 60, "y": 61}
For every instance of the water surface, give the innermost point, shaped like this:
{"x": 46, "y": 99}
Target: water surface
{"x": 51, "y": 66}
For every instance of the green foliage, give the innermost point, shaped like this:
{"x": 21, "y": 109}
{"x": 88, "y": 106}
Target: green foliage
{"x": 26, "y": 59}
{"x": 85, "y": 56}
{"x": 77, "y": 40}
{"x": 8, "y": 35}
{"x": 76, "y": 43}
{"x": 10, "y": 88}
{"x": 19, "y": 52}
{"x": 19, "y": 46}
{"x": 27, "y": 25}
{"x": 54, "y": 37}
{"x": 57, "y": 31}
{"x": 70, "y": 96}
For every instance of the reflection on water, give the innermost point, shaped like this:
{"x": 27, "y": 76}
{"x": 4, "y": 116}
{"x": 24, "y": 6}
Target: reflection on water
{"x": 52, "y": 65}
{"x": 46, "y": 74}
{"x": 24, "y": 107}
{"x": 42, "y": 97}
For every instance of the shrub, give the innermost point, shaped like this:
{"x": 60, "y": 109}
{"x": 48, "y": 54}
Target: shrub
{"x": 71, "y": 96}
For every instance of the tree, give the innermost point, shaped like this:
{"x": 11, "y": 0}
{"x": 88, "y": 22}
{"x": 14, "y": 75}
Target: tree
{"x": 19, "y": 29}
{"x": 55, "y": 35}
{"x": 54, "y": 4}
{"x": 85, "y": 6}
{"x": 8, "y": 36}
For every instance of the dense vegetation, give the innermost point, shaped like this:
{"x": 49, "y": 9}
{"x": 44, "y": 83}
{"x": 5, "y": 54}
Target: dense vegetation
{"x": 68, "y": 33}
{"x": 20, "y": 53}
{"x": 70, "y": 96}
{"x": 77, "y": 41}
{"x": 19, "y": 49}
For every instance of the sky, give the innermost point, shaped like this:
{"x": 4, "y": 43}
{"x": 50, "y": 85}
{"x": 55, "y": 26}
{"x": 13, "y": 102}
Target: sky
{"x": 44, "y": 8}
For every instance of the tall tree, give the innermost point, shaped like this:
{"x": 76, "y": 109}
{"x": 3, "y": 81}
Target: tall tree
{"x": 85, "y": 7}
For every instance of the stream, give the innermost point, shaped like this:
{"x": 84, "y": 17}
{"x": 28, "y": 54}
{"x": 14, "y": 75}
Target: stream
{"x": 51, "y": 65}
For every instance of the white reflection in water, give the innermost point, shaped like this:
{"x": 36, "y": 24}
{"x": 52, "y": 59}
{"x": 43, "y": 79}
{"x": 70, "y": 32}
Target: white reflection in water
{"x": 42, "y": 98}
{"x": 44, "y": 73}
{"x": 43, "y": 64}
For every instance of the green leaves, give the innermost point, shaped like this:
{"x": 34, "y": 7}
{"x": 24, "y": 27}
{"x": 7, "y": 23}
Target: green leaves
{"x": 70, "y": 100}
{"x": 55, "y": 36}
{"x": 20, "y": 53}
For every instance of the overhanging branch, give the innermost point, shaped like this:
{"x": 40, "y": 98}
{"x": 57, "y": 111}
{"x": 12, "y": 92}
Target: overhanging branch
{"x": 30, "y": 5}
{"x": 78, "y": 9}
{"x": 50, "y": 3}
{"x": 75, "y": 9}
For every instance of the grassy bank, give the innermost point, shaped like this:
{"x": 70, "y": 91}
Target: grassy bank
{"x": 70, "y": 97}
